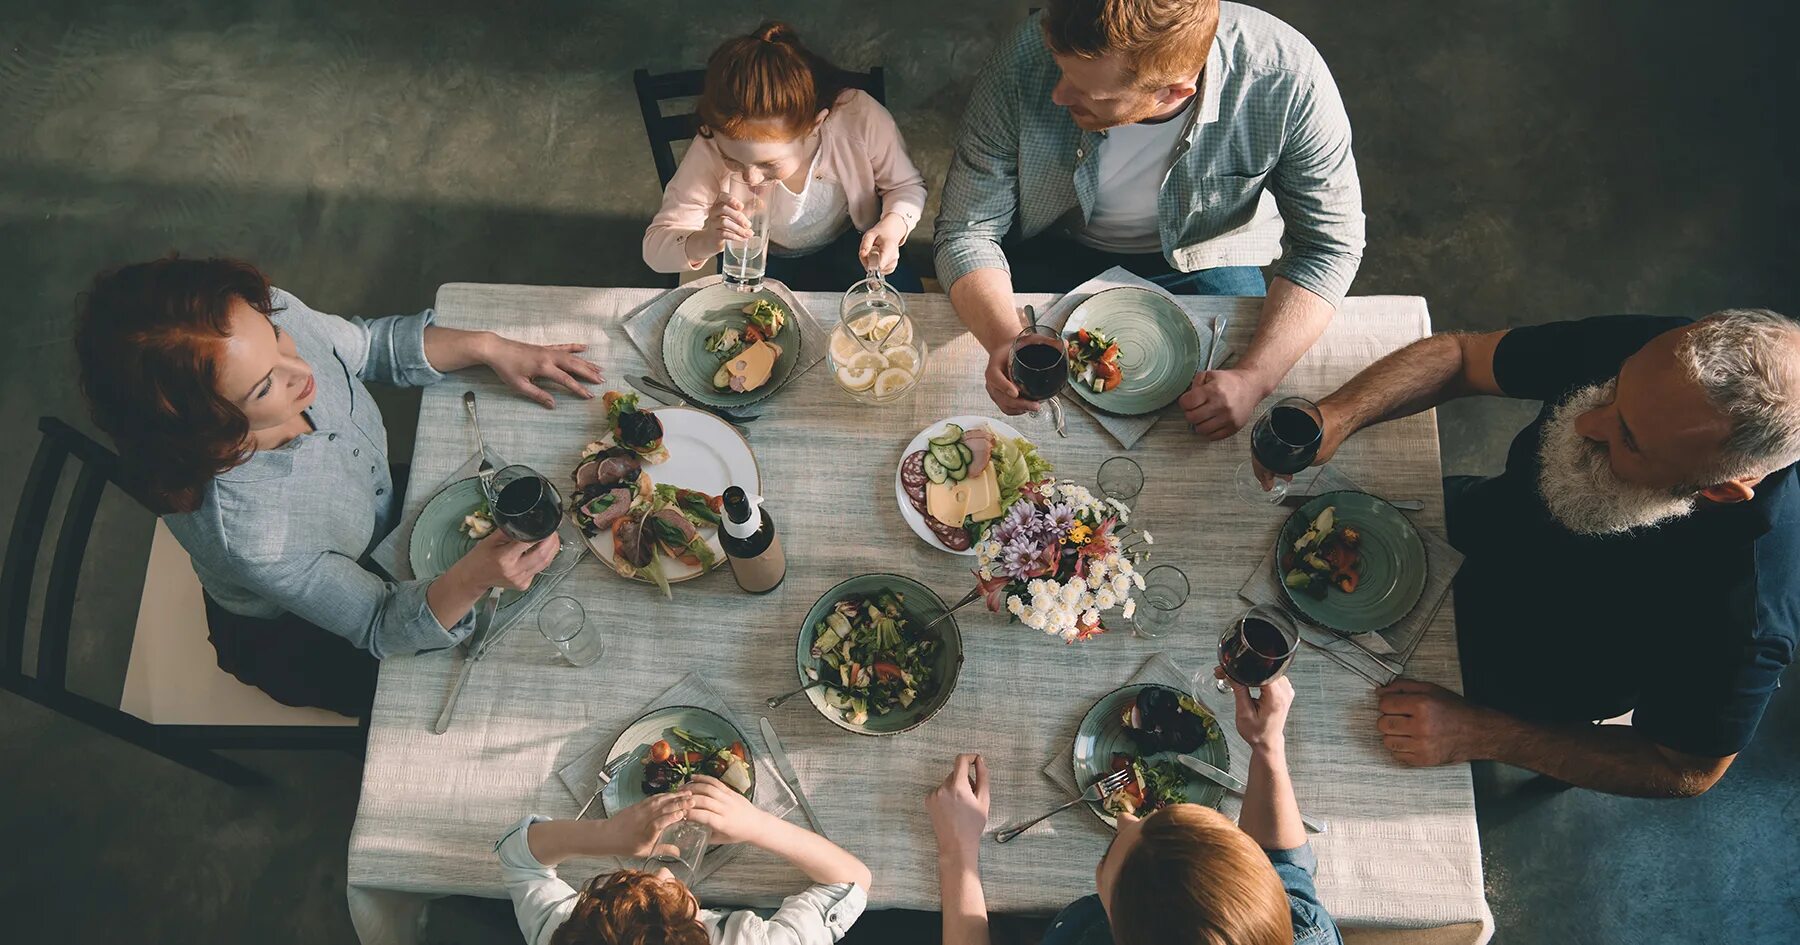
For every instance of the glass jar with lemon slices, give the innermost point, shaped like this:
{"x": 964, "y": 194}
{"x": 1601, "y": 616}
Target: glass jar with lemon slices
{"x": 874, "y": 355}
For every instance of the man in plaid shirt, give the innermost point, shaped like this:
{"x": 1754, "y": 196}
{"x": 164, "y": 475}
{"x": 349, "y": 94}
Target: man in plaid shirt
{"x": 1190, "y": 141}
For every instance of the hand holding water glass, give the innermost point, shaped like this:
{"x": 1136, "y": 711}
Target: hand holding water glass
{"x": 747, "y": 259}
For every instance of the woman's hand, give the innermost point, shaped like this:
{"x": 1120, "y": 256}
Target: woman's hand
{"x": 729, "y": 815}
{"x": 881, "y": 244}
{"x": 1260, "y": 719}
{"x": 725, "y": 222}
{"x": 959, "y": 809}
{"x": 520, "y": 365}
{"x": 633, "y": 831}
{"x": 498, "y": 561}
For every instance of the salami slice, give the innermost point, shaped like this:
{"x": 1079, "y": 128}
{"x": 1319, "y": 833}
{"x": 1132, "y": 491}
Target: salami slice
{"x": 913, "y": 480}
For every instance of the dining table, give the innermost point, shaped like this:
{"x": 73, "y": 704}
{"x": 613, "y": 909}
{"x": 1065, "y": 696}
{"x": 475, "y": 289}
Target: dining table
{"x": 1401, "y": 859}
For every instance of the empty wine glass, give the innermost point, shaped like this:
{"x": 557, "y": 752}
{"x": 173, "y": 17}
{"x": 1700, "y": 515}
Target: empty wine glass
{"x": 1285, "y": 440}
{"x": 1159, "y": 603}
{"x": 563, "y": 621}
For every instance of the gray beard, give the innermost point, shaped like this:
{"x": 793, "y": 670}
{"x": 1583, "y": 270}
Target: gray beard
{"x": 1580, "y": 488}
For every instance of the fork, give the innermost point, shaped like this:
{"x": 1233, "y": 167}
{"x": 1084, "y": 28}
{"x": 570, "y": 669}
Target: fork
{"x": 486, "y": 470}
{"x": 1101, "y": 786}
{"x": 606, "y": 776}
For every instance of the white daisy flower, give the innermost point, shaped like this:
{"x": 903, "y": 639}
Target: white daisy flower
{"x": 1121, "y": 585}
{"x": 1138, "y": 579}
{"x": 1130, "y": 607}
{"x": 1014, "y": 604}
{"x": 1070, "y": 594}
{"x": 1035, "y": 620}
{"x": 1106, "y": 599}
{"x": 1090, "y": 617}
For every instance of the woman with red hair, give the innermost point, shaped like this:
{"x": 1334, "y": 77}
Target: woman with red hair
{"x": 242, "y": 416}
{"x": 631, "y": 907}
{"x": 844, "y": 193}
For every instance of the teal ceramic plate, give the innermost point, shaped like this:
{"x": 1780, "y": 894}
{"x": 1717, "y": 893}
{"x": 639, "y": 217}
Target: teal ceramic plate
{"x": 921, "y": 606}
{"x": 702, "y": 314}
{"x": 1393, "y": 564}
{"x": 1102, "y": 733}
{"x": 437, "y": 539}
{"x": 1158, "y": 348}
{"x": 628, "y": 787}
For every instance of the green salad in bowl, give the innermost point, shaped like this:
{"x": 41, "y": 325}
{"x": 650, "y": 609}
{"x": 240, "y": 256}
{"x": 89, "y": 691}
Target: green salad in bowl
{"x": 878, "y": 670}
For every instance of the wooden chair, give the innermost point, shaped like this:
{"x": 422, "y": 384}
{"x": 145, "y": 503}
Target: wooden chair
{"x": 665, "y": 131}
{"x": 177, "y": 702}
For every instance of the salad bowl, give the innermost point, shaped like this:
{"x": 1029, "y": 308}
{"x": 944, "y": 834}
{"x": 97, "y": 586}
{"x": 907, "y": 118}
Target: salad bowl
{"x": 919, "y": 606}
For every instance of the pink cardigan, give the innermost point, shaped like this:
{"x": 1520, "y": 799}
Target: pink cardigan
{"x": 859, "y": 148}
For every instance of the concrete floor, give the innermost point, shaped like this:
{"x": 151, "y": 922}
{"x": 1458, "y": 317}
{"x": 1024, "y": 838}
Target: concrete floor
{"x": 1520, "y": 162}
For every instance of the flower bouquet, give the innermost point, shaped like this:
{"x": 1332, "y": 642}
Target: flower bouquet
{"x": 1058, "y": 560}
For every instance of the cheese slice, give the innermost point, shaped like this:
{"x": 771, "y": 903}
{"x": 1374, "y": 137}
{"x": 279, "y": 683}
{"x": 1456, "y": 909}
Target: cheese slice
{"x": 754, "y": 364}
{"x": 984, "y": 497}
{"x": 948, "y": 502}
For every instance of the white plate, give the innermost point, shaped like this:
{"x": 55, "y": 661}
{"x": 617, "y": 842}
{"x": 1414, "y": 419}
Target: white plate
{"x": 912, "y": 516}
{"x": 705, "y": 454}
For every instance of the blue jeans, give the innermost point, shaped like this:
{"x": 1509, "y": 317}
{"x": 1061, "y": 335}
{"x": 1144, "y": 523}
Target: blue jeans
{"x": 835, "y": 267}
{"x": 1056, "y": 264}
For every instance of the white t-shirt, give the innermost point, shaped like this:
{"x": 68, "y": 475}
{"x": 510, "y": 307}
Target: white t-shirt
{"x": 1134, "y": 159}
{"x": 808, "y": 220}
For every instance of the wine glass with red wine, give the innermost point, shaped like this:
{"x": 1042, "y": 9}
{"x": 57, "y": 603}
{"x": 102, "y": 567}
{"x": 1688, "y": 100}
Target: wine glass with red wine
{"x": 527, "y": 506}
{"x": 1040, "y": 367}
{"x": 1285, "y": 440}
{"x": 1257, "y": 647}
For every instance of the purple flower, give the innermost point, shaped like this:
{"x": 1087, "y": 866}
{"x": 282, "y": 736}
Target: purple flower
{"x": 1059, "y": 519}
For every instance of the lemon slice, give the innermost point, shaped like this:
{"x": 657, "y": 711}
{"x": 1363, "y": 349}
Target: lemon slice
{"x": 900, "y": 336}
{"x": 892, "y": 381}
{"x": 844, "y": 346}
{"x": 904, "y": 358}
{"x": 865, "y": 325}
{"x": 856, "y": 379}
{"x": 866, "y": 360}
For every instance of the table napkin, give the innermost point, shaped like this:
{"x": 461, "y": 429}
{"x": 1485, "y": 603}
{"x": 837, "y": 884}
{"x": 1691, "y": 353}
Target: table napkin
{"x": 580, "y": 776}
{"x": 393, "y": 554}
{"x": 645, "y": 329}
{"x": 1127, "y": 430}
{"x": 1393, "y": 646}
{"x": 1159, "y": 668}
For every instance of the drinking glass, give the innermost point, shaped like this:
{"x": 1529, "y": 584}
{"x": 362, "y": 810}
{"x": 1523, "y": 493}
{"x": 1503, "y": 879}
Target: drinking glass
{"x": 1257, "y": 647}
{"x": 526, "y": 505}
{"x": 563, "y": 621}
{"x": 1285, "y": 440}
{"x": 1040, "y": 367}
{"x": 1121, "y": 478}
{"x": 746, "y": 261}
{"x": 680, "y": 849}
{"x": 1159, "y": 603}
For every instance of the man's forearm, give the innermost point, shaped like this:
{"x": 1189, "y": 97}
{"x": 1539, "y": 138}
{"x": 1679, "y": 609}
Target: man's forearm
{"x": 962, "y": 900}
{"x": 1417, "y": 377}
{"x": 1270, "y": 814}
{"x": 1292, "y": 319}
{"x": 452, "y": 349}
{"x": 983, "y": 299}
{"x": 1611, "y": 758}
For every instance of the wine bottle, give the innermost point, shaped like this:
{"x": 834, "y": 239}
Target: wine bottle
{"x": 748, "y": 536}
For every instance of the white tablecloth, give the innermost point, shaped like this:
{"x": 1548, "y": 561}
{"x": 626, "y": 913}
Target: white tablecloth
{"x": 1402, "y": 852}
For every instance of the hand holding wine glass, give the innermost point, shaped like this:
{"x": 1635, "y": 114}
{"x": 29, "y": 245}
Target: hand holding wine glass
{"x": 1040, "y": 367}
{"x": 1285, "y": 440}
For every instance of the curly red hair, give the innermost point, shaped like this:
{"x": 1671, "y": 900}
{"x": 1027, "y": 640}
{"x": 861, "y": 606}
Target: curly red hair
{"x": 147, "y": 338}
{"x": 632, "y": 908}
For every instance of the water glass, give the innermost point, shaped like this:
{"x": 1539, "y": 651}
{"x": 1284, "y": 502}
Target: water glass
{"x": 563, "y": 621}
{"x": 745, "y": 262}
{"x": 1121, "y": 478}
{"x": 679, "y": 849}
{"x": 1159, "y": 603}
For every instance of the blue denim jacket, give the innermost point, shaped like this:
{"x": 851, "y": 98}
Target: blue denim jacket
{"x": 1083, "y": 922}
{"x": 289, "y": 529}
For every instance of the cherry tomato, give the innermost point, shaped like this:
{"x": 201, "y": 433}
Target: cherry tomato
{"x": 661, "y": 751}
{"x": 887, "y": 671}
{"x": 737, "y": 748}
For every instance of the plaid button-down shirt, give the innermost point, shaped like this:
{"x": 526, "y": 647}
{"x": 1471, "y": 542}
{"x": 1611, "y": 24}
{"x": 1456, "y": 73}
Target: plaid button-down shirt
{"x": 1269, "y": 126}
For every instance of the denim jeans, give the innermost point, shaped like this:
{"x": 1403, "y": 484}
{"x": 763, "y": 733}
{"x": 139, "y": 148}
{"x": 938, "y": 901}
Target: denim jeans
{"x": 835, "y": 267}
{"x": 1056, "y": 264}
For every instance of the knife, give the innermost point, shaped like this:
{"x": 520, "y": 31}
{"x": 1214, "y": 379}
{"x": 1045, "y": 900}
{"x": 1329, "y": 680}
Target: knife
{"x": 1294, "y": 500}
{"x": 725, "y": 415}
{"x": 786, "y": 769}
{"x": 484, "y": 621}
{"x": 1230, "y": 783}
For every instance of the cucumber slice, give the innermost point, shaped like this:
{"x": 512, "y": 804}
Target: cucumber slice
{"x": 959, "y": 473}
{"x": 934, "y": 470}
{"x": 950, "y": 455}
{"x": 952, "y": 434}
{"x": 968, "y": 455}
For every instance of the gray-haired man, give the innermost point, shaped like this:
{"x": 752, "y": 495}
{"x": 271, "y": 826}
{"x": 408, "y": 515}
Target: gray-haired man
{"x": 1640, "y": 553}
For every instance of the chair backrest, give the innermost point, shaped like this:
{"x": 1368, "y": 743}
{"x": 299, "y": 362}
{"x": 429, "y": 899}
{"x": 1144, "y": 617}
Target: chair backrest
{"x": 665, "y": 130}
{"x": 99, "y": 466}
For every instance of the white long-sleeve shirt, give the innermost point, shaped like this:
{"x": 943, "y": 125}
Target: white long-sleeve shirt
{"x": 542, "y": 902}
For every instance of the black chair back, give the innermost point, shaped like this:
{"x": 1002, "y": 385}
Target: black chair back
{"x": 665, "y": 130}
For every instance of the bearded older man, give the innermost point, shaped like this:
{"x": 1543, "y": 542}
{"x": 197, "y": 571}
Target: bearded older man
{"x": 1640, "y": 553}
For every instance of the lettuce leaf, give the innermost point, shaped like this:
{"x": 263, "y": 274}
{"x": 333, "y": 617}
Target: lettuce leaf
{"x": 1016, "y": 462}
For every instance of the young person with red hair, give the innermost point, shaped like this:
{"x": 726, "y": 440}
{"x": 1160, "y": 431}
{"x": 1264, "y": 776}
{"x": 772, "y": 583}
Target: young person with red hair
{"x": 845, "y": 195}
{"x": 631, "y": 907}
{"x": 242, "y": 417}
{"x": 1185, "y": 874}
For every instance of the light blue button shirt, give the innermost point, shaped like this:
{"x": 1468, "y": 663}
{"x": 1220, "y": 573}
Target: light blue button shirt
{"x": 542, "y": 902}
{"x": 1269, "y": 121}
{"x": 289, "y": 530}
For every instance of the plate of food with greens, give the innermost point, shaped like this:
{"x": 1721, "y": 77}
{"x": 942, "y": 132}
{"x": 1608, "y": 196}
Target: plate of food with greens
{"x": 726, "y": 348}
{"x": 962, "y": 474}
{"x": 669, "y": 747}
{"x": 1142, "y": 727}
{"x": 878, "y": 668}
